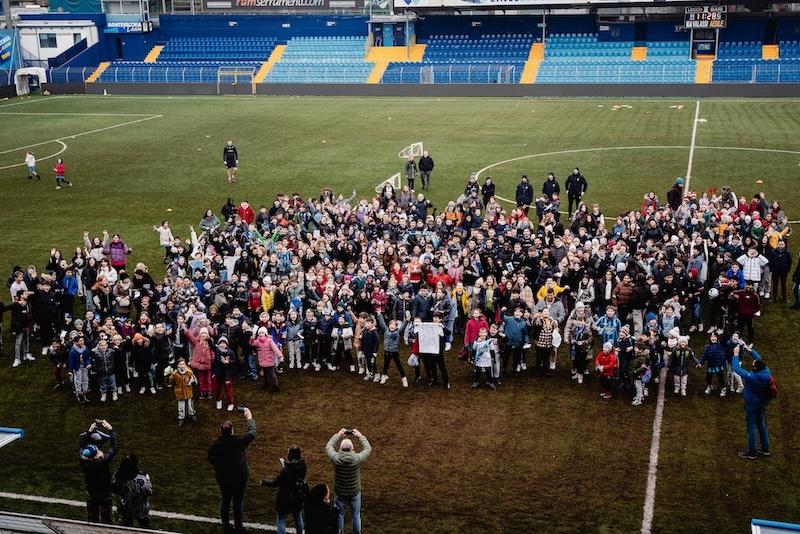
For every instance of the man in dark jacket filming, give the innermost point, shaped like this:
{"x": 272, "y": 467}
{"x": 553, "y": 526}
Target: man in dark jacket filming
{"x": 227, "y": 455}
{"x": 756, "y": 396}
{"x": 96, "y": 470}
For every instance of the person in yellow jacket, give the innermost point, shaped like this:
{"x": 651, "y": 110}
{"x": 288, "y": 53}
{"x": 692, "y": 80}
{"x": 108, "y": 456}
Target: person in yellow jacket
{"x": 182, "y": 380}
{"x": 549, "y": 284}
{"x": 268, "y": 298}
{"x": 774, "y": 235}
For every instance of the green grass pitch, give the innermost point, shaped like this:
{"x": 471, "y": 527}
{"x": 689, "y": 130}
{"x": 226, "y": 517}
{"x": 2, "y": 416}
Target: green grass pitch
{"x": 539, "y": 455}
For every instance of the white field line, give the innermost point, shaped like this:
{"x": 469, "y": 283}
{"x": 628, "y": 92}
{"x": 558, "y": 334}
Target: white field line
{"x": 75, "y": 114}
{"x": 72, "y": 136}
{"x": 652, "y": 469}
{"x": 692, "y": 147}
{"x": 63, "y": 149}
{"x": 154, "y": 513}
{"x": 33, "y": 101}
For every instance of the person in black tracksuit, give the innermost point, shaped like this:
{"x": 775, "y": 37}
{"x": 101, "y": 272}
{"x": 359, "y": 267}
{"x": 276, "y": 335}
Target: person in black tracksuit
{"x": 576, "y": 185}
{"x": 230, "y": 157}
{"x": 550, "y": 187}
{"x": 425, "y": 166}
{"x": 524, "y": 194}
{"x": 324, "y": 328}
{"x": 370, "y": 340}
{"x": 97, "y": 474}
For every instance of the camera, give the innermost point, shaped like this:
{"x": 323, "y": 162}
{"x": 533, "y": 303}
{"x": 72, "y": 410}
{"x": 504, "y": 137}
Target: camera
{"x": 241, "y": 409}
{"x": 348, "y": 432}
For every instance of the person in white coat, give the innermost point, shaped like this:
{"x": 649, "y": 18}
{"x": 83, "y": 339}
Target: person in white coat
{"x": 30, "y": 162}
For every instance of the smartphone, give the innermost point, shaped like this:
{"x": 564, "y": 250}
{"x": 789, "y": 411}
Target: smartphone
{"x": 241, "y": 409}
{"x": 98, "y": 422}
{"x": 348, "y": 432}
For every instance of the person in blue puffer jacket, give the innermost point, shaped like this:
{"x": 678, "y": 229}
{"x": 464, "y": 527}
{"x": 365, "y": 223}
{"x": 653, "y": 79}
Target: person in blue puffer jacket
{"x": 714, "y": 358}
{"x": 756, "y": 396}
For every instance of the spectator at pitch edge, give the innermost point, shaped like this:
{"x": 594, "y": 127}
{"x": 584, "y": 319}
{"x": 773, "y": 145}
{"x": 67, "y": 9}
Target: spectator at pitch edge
{"x": 322, "y": 515}
{"x": 133, "y": 489}
{"x": 759, "y": 388}
{"x": 425, "y": 169}
{"x": 227, "y": 456}
{"x": 292, "y": 489}
{"x": 230, "y": 158}
{"x": 347, "y": 474}
{"x": 675, "y": 194}
{"x": 96, "y": 470}
{"x": 487, "y": 190}
{"x": 576, "y": 186}
{"x": 410, "y": 169}
{"x": 550, "y": 187}
{"x": 524, "y": 194}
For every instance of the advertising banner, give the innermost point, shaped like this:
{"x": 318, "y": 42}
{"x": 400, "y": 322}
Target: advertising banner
{"x": 266, "y": 6}
{"x": 8, "y": 49}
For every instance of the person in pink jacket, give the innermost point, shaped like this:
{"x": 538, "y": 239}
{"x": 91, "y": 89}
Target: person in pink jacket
{"x": 269, "y": 355}
{"x": 474, "y": 325}
{"x": 202, "y": 356}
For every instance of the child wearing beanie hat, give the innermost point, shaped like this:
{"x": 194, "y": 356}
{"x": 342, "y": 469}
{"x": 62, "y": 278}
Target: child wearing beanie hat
{"x": 222, "y": 372}
{"x": 606, "y": 366}
{"x": 682, "y": 357}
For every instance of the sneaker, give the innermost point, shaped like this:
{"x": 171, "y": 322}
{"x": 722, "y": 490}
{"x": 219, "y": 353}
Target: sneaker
{"x": 700, "y": 328}
{"x": 16, "y": 363}
{"x": 636, "y": 402}
{"x": 519, "y": 367}
{"x": 142, "y": 390}
{"x": 764, "y": 453}
{"x": 677, "y": 390}
{"x": 103, "y": 397}
{"x": 360, "y": 369}
{"x": 447, "y": 386}
{"x": 723, "y": 392}
{"x": 552, "y": 366}
{"x": 447, "y": 346}
{"x": 692, "y": 328}
{"x": 378, "y": 378}
{"x": 524, "y": 366}
{"x": 30, "y": 357}
{"x": 646, "y": 392}
{"x": 230, "y": 407}
{"x": 279, "y": 370}
{"x": 127, "y": 388}
{"x": 306, "y": 366}
{"x": 70, "y": 184}
{"x": 119, "y": 390}
{"x": 492, "y": 386}
{"x": 317, "y": 367}
{"x": 58, "y": 385}
{"x": 152, "y": 390}
{"x": 574, "y": 375}
{"x": 740, "y": 389}
{"x": 766, "y": 294}
{"x": 331, "y": 367}
{"x": 367, "y": 377}
{"x": 219, "y": 405}
{"x": 683, "y": 392}
{"x": 159, "y": 387}
{"x": 353, "y": 369}
{"x": 526, "y": 346}
{"x": 474, "y": 385}
{"x": 580, "y": 379}
{"x": 58, "y": 187}
{"x": 291, "y": 363}
{"x": 404, "y": 380}
{"x": 708, "y": 390}
{"x": 745, "y": 455}
{"x": 114, "y": 396}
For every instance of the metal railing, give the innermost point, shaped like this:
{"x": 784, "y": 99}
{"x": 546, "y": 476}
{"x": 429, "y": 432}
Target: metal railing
{"x": 455, "y": 73}
{"x": 653, "y": 73}
{"x": 321, "y": 74}
{"x": 777, "y": 72}
{"x": 69, "y": 74}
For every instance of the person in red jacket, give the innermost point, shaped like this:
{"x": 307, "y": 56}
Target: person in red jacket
{"x": 474, "y": 326}
{"x": 60, "y": 170}
{"x": 749, "y": 306}
{"x": 246, "y": 212}
{"x": 606, "y": 365}
{"x": 202, "y": 358}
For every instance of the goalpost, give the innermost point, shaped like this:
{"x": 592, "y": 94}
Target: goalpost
{"x": 236, "y": 75}
{"x": 414, "y": 149}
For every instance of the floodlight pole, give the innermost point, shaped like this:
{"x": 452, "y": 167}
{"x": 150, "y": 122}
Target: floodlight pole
{"x": 7, "y": 11}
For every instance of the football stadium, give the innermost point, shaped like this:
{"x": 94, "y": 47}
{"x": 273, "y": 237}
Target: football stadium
{"x": 440, "y": 266}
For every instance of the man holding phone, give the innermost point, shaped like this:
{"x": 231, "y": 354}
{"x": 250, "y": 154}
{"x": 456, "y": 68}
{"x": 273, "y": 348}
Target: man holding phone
{"x": 347, "y": 474}
{"x": 227, "y": 455}
{"x": 96, "y": 470}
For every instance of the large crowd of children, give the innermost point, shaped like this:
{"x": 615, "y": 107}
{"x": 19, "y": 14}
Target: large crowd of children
{"x": 314, "y": 284}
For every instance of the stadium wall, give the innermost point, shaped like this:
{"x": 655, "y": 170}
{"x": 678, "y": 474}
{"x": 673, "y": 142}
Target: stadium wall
{"x": 258, "y": 25}
{"x": 8, "y": 91}
{"x": 466, "y": 90}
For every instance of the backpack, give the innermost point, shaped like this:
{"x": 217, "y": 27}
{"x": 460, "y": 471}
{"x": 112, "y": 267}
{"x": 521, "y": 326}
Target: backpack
{"x": 772, "y": 388}
{"x": 298, "y": 492}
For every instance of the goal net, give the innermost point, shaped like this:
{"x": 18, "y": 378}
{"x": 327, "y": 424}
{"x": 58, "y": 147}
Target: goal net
{"x": 393, "y": 180}
{"x": 236, "y": 76}
{"x": 411, "y": 150}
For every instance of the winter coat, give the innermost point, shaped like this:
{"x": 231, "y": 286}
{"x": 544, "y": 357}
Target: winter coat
{"x": 182, "y": 384}
{"x": 484, "y": 353}
{"x": 751, "y": 267}
{"x": 516, "y": 331}
{"x": 78, "y": 358}
{"x": 576, "y": 185}
{"x": 550, "y": 188}
{"x": 714, "y": 354}
{"x": 268, "y": 352}
{"x": 203, "y": 353}
{"x": 426, "y": 164}
{"x": 473, "y": 328}
{"x": 608, "y": 361}
{"x": 780, "y": 261}
{"x": 524, "y": 194}
{"x": 104, "y": 361}
{"x": 133, "y": 496}
{"x": 286, "y": 501}
{"x": 756, "y": 383}
{"x": 342, "y": 335}
{"x": 347, "y": 467}
{"x": 681, "y": 360}
{"x": 97, "y": 472}
{"x": 227, "y": 455}
{"x": 116, "y": 252}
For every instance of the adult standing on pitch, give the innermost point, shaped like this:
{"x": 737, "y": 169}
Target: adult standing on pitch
{"x": 675, "y": 194}
{"x": 576, "y": 185}
{"x": 347, "y": 474}
{"x": 227, "y": 455}
{"x": 30, "y": 162}
{"x": 96, "y": 470}
{"x": 758, "y": 390}
{"x": 230, "y": 157}
{"x": 524, "y": 194}
{"x": 425, "y": 166}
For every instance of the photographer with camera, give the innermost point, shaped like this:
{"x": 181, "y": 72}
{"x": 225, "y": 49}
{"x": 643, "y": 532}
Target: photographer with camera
{"x": 227, "y": 455}
{"x": 96, "y": 469}
{"x": 347, "y": 474}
